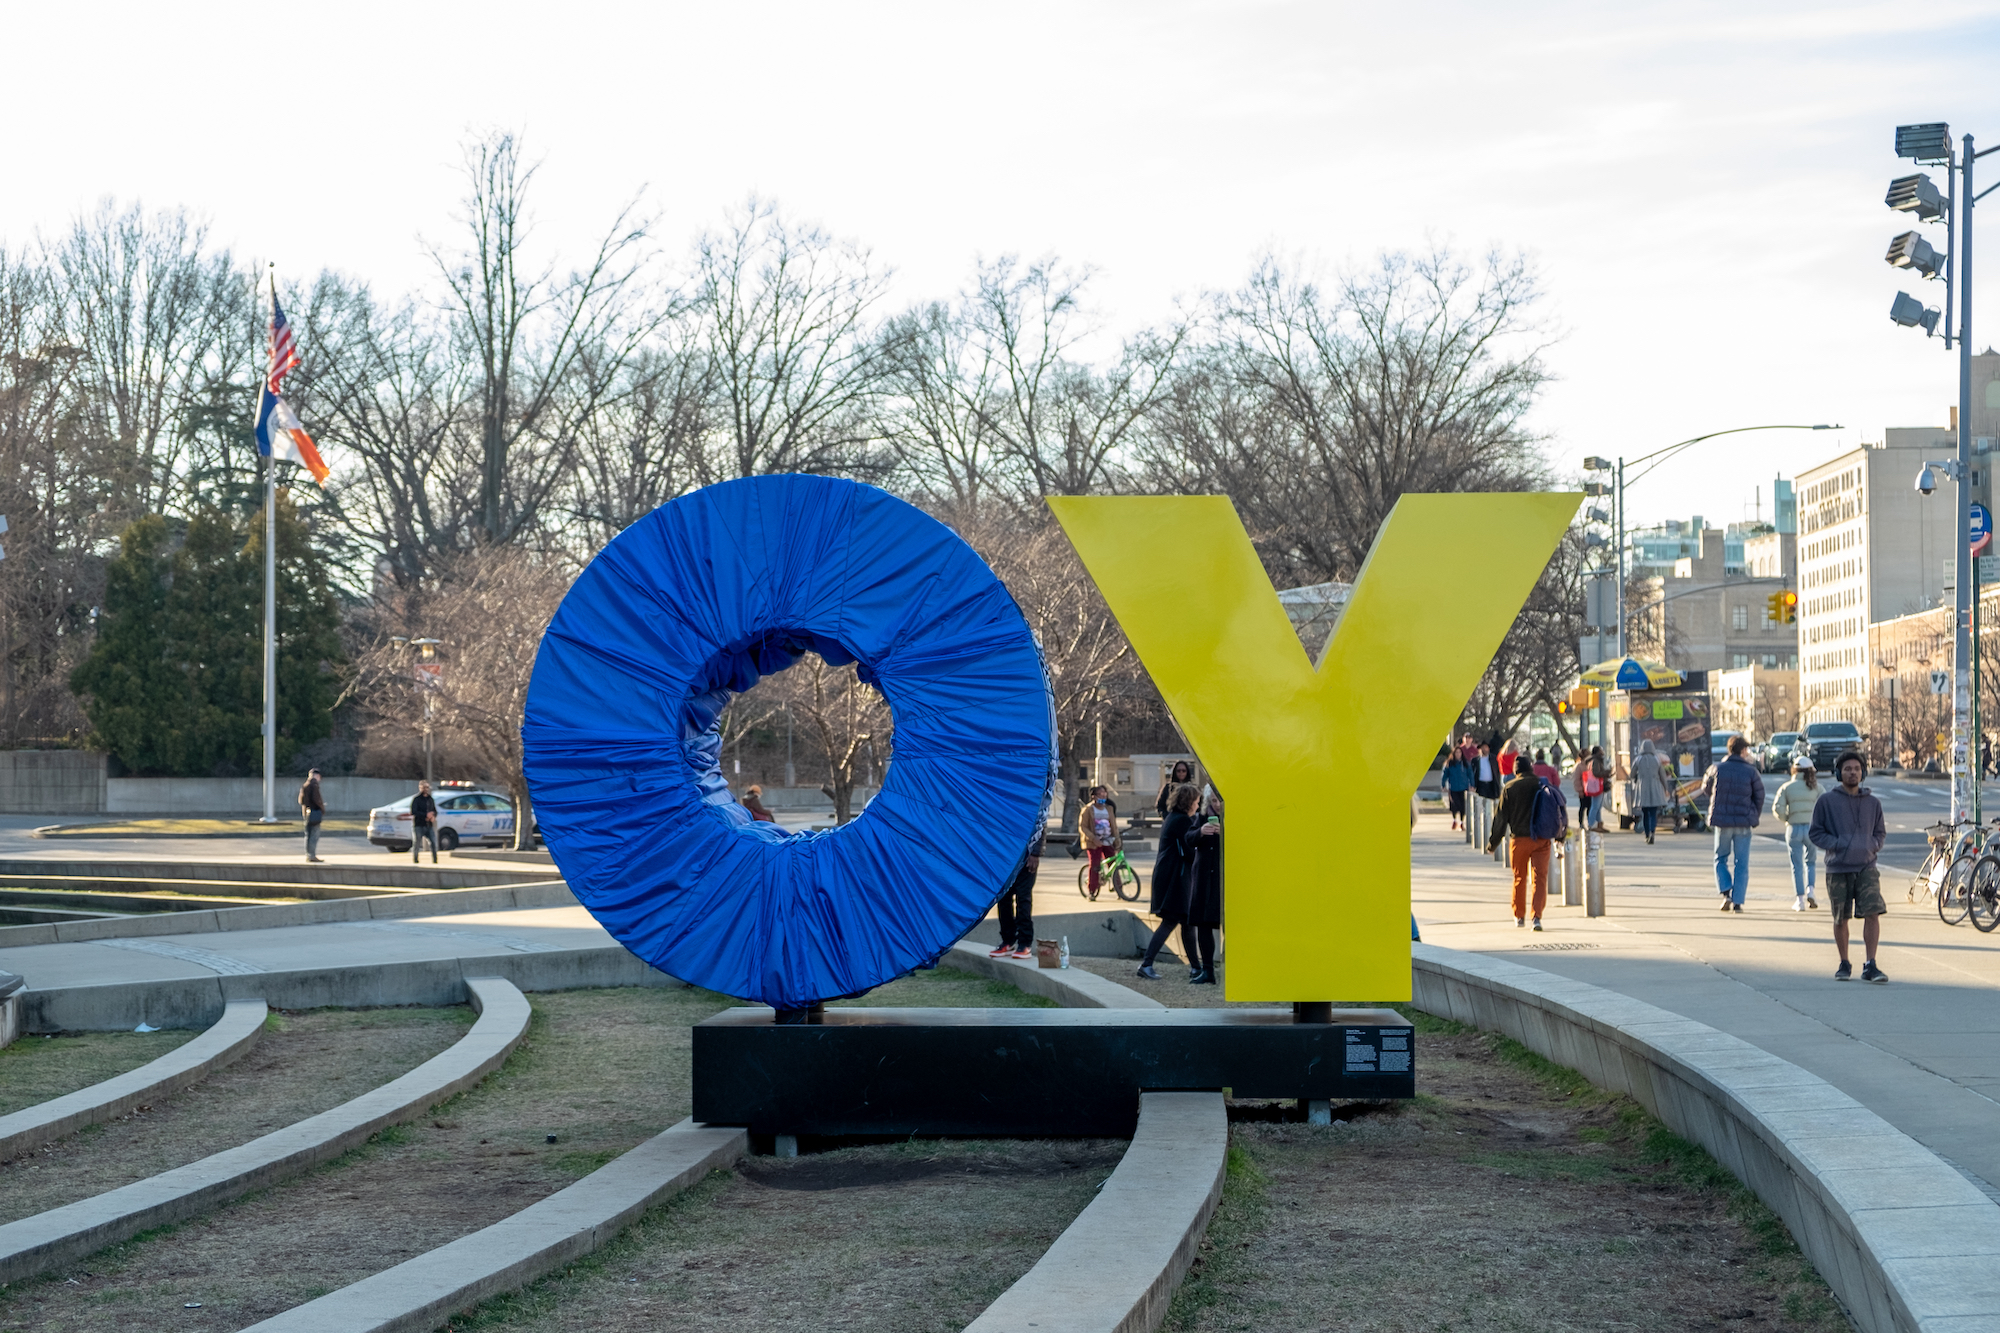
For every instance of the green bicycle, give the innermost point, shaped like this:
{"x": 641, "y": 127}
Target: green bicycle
{"x": 1114, "y": 870}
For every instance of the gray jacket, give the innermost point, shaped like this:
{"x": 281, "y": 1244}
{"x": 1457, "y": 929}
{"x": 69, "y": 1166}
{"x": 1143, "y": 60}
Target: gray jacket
{"x": 1849, "y": 829}
{"x": 1649, "y": 771}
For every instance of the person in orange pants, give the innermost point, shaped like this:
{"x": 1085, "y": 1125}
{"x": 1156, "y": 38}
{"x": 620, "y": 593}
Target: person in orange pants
{"x": 1515, "y": 819}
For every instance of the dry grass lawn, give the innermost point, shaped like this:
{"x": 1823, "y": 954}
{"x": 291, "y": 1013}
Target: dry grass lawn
{"x": 36, "y": 1069}
{"x": 1510, "y": 1195}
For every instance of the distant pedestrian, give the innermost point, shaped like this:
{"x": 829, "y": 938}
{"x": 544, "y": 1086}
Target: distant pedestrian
{"x": 1653, "y": 786}
{"x": 1097, "y": 826}
{"x": 423, "y": 823}
{"x": 1847, "y": 825}
{"x": 1592, "y": 781}
{"x": 1204, "y": 909}
{"x": 1793, "y": 807}
{"x": 1017, "y": 903}
{"x": 1457, "y": 781}
{"x": 1509, "y": 756}
{"x": 1545, "y": 769}
{"x": 1486, "y": 774}
{"x": 1533, "y": 814}
{"x": 753, "y": 801}
{"x": 1181, "y": 776}
{"x": 1170, "y": 878}
{"x": 313, "y": 806}
{"x": 1735, "y": 803}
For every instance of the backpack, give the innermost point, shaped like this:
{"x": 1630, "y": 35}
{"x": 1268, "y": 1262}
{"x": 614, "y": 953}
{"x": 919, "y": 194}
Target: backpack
{"x": 1592, "y": 784}
{"x": 1546, "y": 821}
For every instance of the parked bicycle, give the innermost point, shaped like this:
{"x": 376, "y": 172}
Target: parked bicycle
{"x": 1982, "y": 889}
{"x": 1948, "y": 873}
{"x": 1114, "y": 871}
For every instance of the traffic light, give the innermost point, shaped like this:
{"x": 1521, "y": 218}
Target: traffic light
{"x": 1562, "y": 707}
{"x": 1582, "y": 698}
{"x": 1784, "y": 607}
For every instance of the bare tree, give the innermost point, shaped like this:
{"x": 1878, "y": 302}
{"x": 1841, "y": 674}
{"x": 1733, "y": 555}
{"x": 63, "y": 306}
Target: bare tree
{"x": 1416, "y": 376}
{"x": 548, "y": 350}
{"x": 847, "y": 720}
{"x": 1537, "y": 658}
{"x": 1094, "y": 676}
{"x": 490, "y": 605}
{"x": 784, "y": 311}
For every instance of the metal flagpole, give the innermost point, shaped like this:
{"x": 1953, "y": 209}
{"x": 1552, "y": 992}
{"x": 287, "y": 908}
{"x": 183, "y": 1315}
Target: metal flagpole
{"x": 1962, "y": 740}
{"x": 271, "y": 626}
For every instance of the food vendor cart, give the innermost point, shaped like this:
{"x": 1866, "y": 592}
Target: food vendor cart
{"x": 1675, "y": 719}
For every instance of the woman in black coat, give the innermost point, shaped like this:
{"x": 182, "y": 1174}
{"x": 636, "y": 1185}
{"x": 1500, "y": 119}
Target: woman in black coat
{"x": 1170, "y": 881}
{"x": 1182, "y": 774}
{"x": 1203, "y": 849}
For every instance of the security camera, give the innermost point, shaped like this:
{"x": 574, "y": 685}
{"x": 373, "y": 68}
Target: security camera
{"x": 1926, "y": 483}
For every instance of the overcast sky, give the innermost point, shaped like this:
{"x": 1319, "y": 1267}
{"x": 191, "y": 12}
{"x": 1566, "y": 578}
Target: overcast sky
{"x": 1700, "y": 183}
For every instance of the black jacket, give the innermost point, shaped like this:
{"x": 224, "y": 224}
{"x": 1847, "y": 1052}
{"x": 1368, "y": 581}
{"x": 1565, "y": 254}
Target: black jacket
{"x": 421, "y": 805}
{"x": 1204, "y": 855}
{"x": 1170, "y": 867}
{"x": 310, "y": 800}
{"x": 1516, "y": 814}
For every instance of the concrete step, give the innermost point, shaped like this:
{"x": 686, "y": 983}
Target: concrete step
{"x": 390, "y": 874}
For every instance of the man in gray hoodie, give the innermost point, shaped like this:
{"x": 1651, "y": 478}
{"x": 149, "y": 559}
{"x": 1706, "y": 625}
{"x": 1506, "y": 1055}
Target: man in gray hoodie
{"x": 1847, "y": 825}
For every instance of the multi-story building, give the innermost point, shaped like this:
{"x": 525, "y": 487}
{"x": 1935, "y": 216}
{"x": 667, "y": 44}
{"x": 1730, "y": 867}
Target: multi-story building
{"x": 1711, "y": 613}
{"x": 1756, "y": 700}
{"x": 1870, "y": 548}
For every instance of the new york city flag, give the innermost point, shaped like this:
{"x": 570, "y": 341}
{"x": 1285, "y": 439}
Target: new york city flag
{"x": 280, "y": 434}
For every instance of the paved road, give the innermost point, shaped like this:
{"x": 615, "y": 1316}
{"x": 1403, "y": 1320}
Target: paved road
{"x": 1920, "y": 1051}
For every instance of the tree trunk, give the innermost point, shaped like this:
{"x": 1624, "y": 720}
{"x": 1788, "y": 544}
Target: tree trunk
{"x": 524, "y": 815}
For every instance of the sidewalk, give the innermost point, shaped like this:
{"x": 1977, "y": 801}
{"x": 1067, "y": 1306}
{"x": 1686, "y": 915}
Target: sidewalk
{"x": 1919, "y": 1051}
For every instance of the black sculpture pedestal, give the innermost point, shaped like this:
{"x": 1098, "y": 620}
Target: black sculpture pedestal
{"x": 1027, "y": 1073}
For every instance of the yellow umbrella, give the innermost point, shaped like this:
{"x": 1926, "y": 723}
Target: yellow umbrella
{"x": 1629, "y": 673}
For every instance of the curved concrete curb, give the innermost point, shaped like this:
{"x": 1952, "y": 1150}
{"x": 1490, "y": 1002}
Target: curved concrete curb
{"x": 1072, "y": 988}
{"x": 1906, "y": 1241}
{"x": 1150, "y": 1215}
{"x": 390, "y": 904}
{"x": 241, "y": 1023}
{"x": 34, "y": 1244}
{"x": 419, "y": 1295}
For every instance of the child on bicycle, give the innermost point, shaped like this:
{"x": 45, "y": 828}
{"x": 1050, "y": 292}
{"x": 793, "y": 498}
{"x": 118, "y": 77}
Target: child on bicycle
{"x": 1097, "y": 829}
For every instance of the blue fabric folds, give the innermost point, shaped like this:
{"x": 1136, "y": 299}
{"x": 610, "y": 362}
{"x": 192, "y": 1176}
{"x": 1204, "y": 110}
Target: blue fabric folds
{"x": 696, "y": 602}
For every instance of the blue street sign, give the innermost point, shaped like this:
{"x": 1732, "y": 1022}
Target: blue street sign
{"x": 1982, "y": 526}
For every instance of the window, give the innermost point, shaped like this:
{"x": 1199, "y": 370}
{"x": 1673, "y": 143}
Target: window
{"x": 1739, "y": 660}
{"x": 1739, "y": 619}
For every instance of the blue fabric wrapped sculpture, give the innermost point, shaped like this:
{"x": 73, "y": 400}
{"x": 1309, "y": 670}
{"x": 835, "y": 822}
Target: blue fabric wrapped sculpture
{"x": 697, "y": 601}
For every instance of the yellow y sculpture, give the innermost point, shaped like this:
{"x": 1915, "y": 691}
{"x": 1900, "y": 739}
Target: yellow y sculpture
{"x": 1318, "y": 762}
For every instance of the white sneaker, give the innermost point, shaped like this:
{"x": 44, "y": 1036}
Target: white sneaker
{"x": 1798, "y": 904}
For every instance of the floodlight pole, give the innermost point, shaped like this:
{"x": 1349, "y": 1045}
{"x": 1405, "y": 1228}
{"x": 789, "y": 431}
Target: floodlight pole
{"x": 1962, "y": 800}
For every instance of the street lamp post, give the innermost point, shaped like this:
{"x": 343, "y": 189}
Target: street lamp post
{"x": 1931, "y": 144}
{"x": 1616, "y": 490}
{"x": 428, "y": 670}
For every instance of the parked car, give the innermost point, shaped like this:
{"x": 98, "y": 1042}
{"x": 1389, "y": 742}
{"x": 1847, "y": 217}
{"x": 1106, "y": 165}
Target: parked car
{"x": 1778, "y": 752}
{"x": 1830, "y": 740}
{"x": 463, "y": 816}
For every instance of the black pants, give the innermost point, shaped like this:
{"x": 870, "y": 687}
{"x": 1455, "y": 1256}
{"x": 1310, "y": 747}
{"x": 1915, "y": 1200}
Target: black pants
{"x": 419, "y": 832}
{"x": 1204, "y": 942}
{"x": 1159, "y": 941}
{"x": 1017, "y": 911}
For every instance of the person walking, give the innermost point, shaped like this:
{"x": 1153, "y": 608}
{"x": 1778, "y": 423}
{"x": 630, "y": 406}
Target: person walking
{"x": 1847, "y": 825}
{"x": 1545, "y": 769}
{"x": 1595, "y": 780}
{"x": 1486, "y": 774}
{"x": 1652, "y": 786}
{"x": 753, "y": 801}
{"x": 423, "y": 823}
{"x": 1735, "y": 802}
{"x": 1017, "y": 901}
{"x": 1097, "y": 825}
{"x": 312, "y": 805}
{"x": 1533, "y": 814}
{"x": 1204, "y": 908}
{"x": 1793, "y": 807}
{"x": 1509, "y": 757}
{"x": 1170, "y": 878}
{"x": 1181, "y": 776}
{"x": 1456, "y": 781}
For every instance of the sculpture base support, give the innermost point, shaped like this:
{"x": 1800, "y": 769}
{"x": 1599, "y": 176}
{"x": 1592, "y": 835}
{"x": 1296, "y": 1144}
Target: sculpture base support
{"x": 1027, "y": 1073}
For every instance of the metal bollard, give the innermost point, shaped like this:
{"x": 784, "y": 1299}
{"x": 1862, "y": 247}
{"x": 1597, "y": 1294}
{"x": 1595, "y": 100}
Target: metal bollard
{"x": 1572, "y": 870}
{"x": 1593, "y": 863}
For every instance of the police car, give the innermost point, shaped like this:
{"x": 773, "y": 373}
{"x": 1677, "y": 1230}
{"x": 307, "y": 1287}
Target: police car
{"x": 465, "y": 815}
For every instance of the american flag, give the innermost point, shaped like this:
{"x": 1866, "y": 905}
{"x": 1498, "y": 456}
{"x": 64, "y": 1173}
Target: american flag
{"x": 284, "y": 351}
